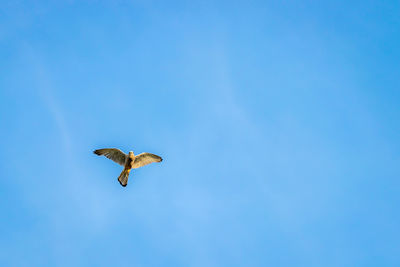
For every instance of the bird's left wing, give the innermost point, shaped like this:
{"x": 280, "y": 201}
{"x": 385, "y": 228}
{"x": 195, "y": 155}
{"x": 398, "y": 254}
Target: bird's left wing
{"x": 144, "y": 159}
{"x": 114, "y": 154}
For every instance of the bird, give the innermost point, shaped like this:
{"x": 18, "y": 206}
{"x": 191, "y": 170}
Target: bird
{"x": 129, "y": 161}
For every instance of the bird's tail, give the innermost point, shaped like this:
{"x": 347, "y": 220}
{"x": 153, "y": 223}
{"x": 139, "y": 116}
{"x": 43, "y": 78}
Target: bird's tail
{"x": 123, "y": 177}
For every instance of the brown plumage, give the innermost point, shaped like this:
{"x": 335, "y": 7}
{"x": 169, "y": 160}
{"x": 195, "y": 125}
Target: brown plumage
{"x": 129, "y": 161}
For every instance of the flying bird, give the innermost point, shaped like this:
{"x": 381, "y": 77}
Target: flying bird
{"x": 129, "y": 161}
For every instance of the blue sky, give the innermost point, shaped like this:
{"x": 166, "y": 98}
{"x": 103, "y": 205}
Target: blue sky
{"x": 278, "y": 122}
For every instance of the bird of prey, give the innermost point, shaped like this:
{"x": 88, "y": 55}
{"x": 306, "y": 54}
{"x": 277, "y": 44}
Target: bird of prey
{"x": 129, "y": 161}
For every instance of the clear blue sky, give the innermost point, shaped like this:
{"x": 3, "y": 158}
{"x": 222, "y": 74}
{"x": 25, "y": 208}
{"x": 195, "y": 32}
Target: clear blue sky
{"x": 278, "y": 122}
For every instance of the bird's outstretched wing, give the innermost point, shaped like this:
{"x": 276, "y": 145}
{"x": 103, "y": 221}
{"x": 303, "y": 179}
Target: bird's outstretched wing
{"x": 144, "y": 159}
{"x": 114, "y": 154}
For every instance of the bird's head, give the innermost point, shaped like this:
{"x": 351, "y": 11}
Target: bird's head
{"x": 131, "y": 155}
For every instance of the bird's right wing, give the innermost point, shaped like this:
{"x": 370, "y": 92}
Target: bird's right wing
{"x": 114, "y": 154}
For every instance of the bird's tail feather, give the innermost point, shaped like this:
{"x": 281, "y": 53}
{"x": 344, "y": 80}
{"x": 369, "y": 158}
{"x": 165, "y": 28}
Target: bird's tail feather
{"x": 123, "y": 177}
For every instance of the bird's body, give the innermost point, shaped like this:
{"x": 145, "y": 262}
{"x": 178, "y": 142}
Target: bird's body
{"x": 129, "y": 161}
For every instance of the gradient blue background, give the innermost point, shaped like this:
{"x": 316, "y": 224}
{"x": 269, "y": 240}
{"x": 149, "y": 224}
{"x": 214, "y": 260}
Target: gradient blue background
{"x": 278, "y": 122}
